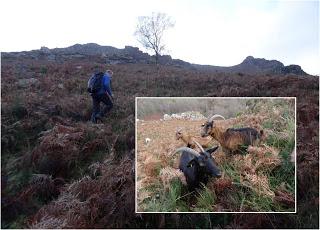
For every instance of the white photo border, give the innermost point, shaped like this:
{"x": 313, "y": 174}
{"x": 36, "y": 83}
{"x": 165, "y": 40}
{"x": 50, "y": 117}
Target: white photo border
{"x": 295, "y": 150}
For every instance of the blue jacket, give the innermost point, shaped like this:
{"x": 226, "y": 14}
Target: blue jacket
{"x": 106, "y": 85}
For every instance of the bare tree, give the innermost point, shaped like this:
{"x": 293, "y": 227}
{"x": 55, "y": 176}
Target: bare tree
{"x": 150, "y": 30}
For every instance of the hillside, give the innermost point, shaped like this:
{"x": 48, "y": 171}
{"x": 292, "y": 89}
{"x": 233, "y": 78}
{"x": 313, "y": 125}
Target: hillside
{"x": 129, "y": 54}
{"x": 58, "y": 170}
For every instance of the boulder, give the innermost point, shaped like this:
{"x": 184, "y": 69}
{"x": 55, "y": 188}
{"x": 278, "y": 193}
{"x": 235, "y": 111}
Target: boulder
{"x": 294, "y": 69}
{"x": 166, "y": 117}
{"x": 45, "y": 50}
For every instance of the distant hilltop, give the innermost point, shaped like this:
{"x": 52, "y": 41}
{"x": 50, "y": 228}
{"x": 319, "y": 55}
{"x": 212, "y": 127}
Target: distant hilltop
{"x": 114, "y": 56}
{"x": 253, "y": 65}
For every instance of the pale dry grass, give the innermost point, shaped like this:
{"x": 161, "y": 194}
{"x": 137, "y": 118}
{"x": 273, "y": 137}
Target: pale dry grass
{"x": 168, "y": 174}
{"x": 155, "y": 157}
{"x": 267, "y": 158}
{"x": 258, "y": 183}
{"x": 151, "y": 166}
{"x": 155, "y": 161}
{"x": 254, "y": 167}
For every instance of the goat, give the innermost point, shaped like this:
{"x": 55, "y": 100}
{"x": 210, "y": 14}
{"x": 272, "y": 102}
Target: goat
{"x": 231, "y": 139}
{"x": 197, "y": 167}
{"x": 189, "y": 140}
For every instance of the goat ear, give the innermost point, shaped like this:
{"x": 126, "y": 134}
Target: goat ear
{"x": 212, "y": 150}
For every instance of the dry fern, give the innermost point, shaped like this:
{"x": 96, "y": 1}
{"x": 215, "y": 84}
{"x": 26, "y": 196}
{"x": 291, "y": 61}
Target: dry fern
{"x": 168, "y": 174}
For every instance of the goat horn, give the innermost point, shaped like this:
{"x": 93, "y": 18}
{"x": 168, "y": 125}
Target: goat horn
{"x": 178, "y": 130}
{"x": 187, "y": 150}
{"x": 199, "y": 146}
{"x": 215, "y": 116}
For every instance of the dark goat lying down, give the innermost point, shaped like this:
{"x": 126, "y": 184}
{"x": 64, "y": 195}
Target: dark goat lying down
{"x": 197, "y": 167}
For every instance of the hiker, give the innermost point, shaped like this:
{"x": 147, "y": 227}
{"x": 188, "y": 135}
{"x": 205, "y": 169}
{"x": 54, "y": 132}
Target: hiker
{"x": 99, "y": 86}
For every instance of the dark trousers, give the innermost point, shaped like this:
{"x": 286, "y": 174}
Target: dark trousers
{"x": 96, "y": 100}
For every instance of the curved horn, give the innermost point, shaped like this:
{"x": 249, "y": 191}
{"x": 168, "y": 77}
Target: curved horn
{"x": 215, "y": 116}
{"x": 178, "y": 130}
{"x": 178, "y": 133}
{"x": 187, "y": 150}
{"x": 199, "y": 146}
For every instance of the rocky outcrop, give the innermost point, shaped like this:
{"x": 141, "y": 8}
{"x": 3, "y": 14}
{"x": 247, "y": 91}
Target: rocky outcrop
{"x": 251, "y": 65}
{"x": 189, "y": 115}
{"x": 129, "y": 54}
{"x": 261, "y": 65}
{"x": 86, "y": 49}
{"x": 295, "y": 69}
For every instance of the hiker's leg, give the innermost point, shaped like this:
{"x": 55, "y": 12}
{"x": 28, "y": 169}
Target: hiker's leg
{"x": 95, "y": 109}
{"x": 107, "y": 105}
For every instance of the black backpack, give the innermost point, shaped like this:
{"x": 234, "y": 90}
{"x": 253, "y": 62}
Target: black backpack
{"x": 95, "y": 83}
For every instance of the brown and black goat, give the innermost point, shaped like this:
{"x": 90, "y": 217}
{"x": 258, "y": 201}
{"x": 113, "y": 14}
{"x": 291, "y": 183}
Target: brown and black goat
{"x": 230, "y": 139}
{"x": 190, "y": 141}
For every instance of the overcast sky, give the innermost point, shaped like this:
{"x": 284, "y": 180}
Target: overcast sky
{"x": 210, "y": 32}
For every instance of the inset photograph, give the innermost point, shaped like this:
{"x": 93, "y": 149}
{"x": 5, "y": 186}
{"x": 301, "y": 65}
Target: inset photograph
{"x": 215, "y": 155}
